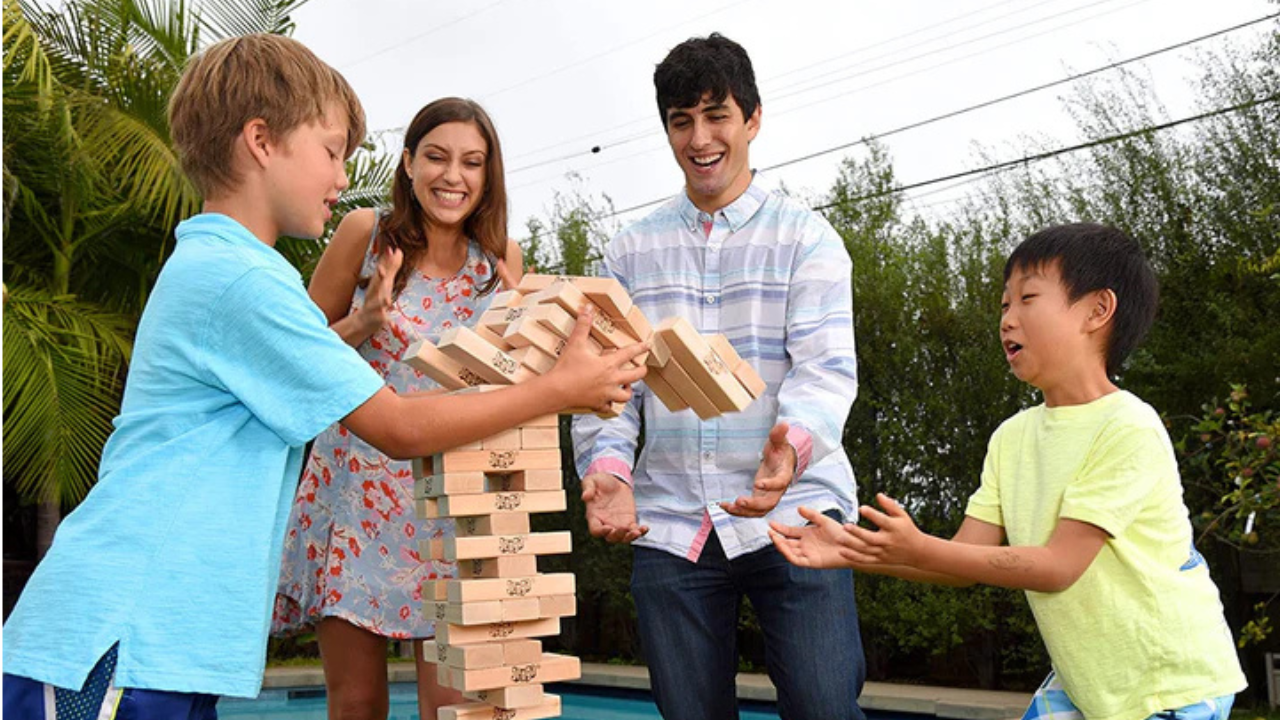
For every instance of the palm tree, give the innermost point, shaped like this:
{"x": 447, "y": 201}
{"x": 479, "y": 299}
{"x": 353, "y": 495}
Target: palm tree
{"x": 92, "y": 188}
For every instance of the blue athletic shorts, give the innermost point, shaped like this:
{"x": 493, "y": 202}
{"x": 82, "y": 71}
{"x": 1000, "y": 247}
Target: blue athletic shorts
{"x": 1051, "y": 703}
{"x": 100, "y": 699}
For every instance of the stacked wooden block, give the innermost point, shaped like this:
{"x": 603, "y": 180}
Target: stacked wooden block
{"x": 525, "y": 329}
{"x": 489, "y": 618}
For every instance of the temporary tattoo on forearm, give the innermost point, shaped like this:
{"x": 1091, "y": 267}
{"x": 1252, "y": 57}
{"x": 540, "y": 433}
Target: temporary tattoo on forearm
{"x": 1010, "y": 560}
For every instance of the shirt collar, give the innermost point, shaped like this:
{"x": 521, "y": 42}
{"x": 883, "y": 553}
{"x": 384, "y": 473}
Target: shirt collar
{"x": 736, "y": 213}
{"x": 228, "y": 230}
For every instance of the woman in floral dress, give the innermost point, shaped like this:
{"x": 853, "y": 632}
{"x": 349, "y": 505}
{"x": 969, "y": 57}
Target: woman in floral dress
{"x": 351, "y": 565}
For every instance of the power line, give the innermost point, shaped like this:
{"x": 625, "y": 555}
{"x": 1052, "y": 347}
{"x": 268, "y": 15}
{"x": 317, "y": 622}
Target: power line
{"x": 996, "y": 167}
{"x": 1054, "y": 153}
{"x": 419, "y": 36}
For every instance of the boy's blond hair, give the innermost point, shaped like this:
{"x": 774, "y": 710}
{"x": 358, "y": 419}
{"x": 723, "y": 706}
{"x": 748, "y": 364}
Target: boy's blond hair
{"x": 271, "y": 77}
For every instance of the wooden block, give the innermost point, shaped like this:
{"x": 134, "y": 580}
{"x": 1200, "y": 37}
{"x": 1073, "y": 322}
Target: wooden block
{"x": 500, "y": 524}
{"x": 686, "y": 388}
{"x": 750, "y": 379}
{"x": 492, "y": 461}
{"x": 539, "y": 438}
{"x": 474, "y": 613}
{"x": 502, "y": 502}
{"x": 451, "y": 634}
{"x": 607, "y": 293}
{"x": 554, "y": 318}
{"x": 466, "y": 347}
{"x": 636, "y": 324}
{"x": 722, "y": 347}
{"x": 481, "y": 655}
{"x": 433, "y": 486}
{"x": 435, "y": 590}
{"x": 608, "y": 334}
{"x": 703, "y": 365}
{"x": 663, "y": 391}
{"x": 488, "y": 546}
{"x": 505, "y": 440}
{"x": 527, "y": 331}
{"x": 518, "y": 652}
{"x": 492, "y": 337}
{"x": 558, "y": 605}
{"x": 511, "y": 566}
{"x": 463, "y": 591}
{"x": 544, "y": 421}
{"x": 533, "y": 282}
{"x": 506, "y": 299}
{"x": 493, "y": 320}
{"x": 534, "y": 358}
{"x": 549, "y": 668}
{"x": 509, "y": 698}
{"x": 659, "y": 353}
{"x": 549, "y": 707}
{"x": 564, "y": 294}
{"x": 428, "y": 360}
{"x": 518, "y": 609}
{"x": 525, "y": 480}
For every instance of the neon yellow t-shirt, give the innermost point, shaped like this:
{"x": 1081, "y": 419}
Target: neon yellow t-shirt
{"x": 1142, "y": 630}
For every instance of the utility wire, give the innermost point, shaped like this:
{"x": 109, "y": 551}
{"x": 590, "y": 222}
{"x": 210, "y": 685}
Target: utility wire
{"x": 415, "y": 38}
{"x": 996, "y": 167}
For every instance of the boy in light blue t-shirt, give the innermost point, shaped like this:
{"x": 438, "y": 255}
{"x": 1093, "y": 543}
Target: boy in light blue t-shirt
{"x": 1085, "y": 491}
{"x": 156, "y": 595}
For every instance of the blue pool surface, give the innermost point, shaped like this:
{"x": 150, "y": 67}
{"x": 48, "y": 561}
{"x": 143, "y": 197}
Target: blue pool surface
{"x": 579, "y": 703}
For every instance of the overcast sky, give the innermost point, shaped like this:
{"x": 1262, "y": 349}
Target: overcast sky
{"x": 560, "y": 77}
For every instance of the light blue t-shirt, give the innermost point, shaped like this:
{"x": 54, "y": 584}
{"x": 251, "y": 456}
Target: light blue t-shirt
{"x": 175, "y": 552}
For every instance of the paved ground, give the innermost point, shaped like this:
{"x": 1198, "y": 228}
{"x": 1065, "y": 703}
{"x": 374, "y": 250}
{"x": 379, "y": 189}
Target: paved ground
{"x": 949, "y": 703}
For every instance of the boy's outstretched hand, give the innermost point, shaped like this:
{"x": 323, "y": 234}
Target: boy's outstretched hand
{"x": 777, "y": 470}
{"x": 897, "y": 541}
{"x": 819, "y": 545}
{"x": 611, "y": 508}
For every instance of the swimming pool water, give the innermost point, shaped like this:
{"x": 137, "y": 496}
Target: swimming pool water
{"x": 579, "y": 703}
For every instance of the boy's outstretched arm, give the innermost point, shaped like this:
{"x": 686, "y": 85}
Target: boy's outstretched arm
{"x": 1051, "y": 568}
{"x": 416, "y": 426}
{"x": 826, "y": 543}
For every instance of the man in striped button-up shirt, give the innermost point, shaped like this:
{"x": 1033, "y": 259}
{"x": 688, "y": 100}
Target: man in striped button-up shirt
{"x": 733, "y": 257}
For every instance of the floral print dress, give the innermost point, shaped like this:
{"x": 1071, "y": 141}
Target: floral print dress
{"x": 351, "y": 548}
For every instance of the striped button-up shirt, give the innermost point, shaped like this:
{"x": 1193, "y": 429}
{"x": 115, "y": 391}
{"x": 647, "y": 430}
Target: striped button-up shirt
{"x": 774, "y": 277}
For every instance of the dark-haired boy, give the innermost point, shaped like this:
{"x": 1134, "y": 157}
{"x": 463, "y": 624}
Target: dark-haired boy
{"x": 156, "y": 595}
{"x": 1085, "y": 488}
{"x": 733, "y": 256}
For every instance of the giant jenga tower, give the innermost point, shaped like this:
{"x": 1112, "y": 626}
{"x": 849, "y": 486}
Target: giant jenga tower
{"x": 489, "y": 618}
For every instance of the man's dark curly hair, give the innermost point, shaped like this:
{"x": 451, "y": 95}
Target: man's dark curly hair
{"x": 715, "y": 66}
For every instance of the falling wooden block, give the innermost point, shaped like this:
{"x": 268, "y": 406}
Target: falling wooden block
{"x": 499, "y": 524}
{"x": 509, "y": 698}
{"x": 526, "y": 480}
{"x": 703, "y": 365}
{"x": 506, "y": 299}
{"x": 635, "y": 324}
{"x": 607, "y": 293}
{"x": 488, "y": 546}
{"x": 722, "y": 347}
{"x": 449, "y": 373}
{"x": 527, "y": 331}
{"x": 534, "y": 358}
{"x": 451, "y": 634}
{"x": 533, "y": 282}
{"x": 463, "y": 591}
{"x": 491, "y": 461}
{"x": 659, "y": 353}
{"x": 750, "y": 379}
{"x": 501, "y": 502}
{"x": 433, "y": 486}
{"x": 551, "y": 667}
{"x": 539, "y": 438}
{"x": 562, "y": 293}
{"x": 480, "y": 655}
{"x": 686, "y": 388}
{"x": 554, "y": 318}
{"x": 511, "y": 566}
{"x": 466, "y": 347}
{"x": 492, "y": 337}
{"x": 549, "y": 707}
{"x": 664, "y": 392}
{"x": 557, "y": 605}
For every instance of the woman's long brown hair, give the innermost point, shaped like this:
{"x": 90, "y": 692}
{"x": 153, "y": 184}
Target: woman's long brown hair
{"x": 404, "y": 227}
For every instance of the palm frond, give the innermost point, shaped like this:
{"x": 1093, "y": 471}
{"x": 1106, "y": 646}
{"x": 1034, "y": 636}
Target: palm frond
{"x": 62, "y": 377}
{"x": 232, "y": 18}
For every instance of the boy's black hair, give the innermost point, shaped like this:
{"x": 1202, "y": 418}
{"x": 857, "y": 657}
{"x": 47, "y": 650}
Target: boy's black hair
{"x": 1094, "y": 257}
{"x": 712, "y": 65}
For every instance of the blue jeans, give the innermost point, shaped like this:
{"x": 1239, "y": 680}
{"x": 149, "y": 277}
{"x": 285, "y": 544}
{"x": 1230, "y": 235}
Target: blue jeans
{"x": 688, "y": 617}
